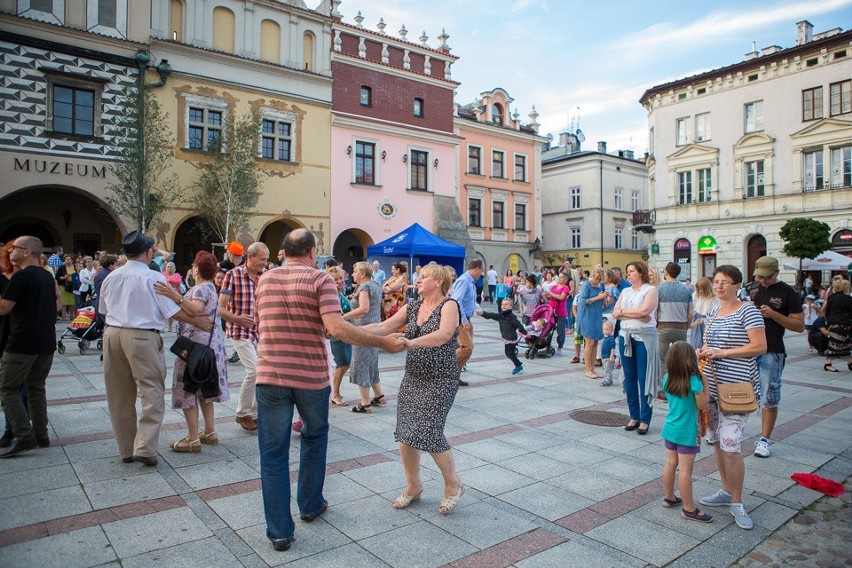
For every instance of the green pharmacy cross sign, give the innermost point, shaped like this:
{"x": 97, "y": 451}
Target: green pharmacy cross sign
{"x": 707, "y": 245}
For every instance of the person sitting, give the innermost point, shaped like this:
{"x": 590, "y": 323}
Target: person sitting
{"x": 818, "y": 336}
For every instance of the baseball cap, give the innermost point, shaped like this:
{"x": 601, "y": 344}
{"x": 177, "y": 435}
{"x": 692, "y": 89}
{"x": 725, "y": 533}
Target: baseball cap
{"x": 810, "y": 297}
{"x": 235, "y": 247}
{"x": 765, "y": 266}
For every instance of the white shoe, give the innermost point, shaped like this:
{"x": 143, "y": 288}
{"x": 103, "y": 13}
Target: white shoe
{"x": 741, "y": 517}
{"x": 719, "y": 499}
{"x": 761, "y": 449}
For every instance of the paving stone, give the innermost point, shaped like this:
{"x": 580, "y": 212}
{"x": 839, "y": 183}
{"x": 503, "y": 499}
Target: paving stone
{"x": 100, "y": 469}
{"x": 346, "y": 556}
{"x": 595, "y": 487}
{"x": 642, "y": 539}
{"x": 44, "y": 506}
{"x": 208, "y": 552}
{"x": 367, "y": 517}
{"x": 202, "y": 476}
{"x": 536, "y": 466}
{"x": 480, "y": 524}
{"x": 723, "y": 548}
{"x": 311, "y": 539}
{"x": 240, "y": 511}
{"x": 493, "y": 480}
{"x": 772, "y": 515}
{"x": 80, "y": 548}
{"x": 492, "y": 450}
{"x": 14, "y": 484}
{"x": 421, "y": 545}
{"x": 577, "y": 454}
{"x": 546, "y": 501}
{"x": 161, "y": 530}
{"x": 531, "y": 439}
{"x": 97, "y": 449}
{"x": 33, "y": 460}
{"x": 113, "y": 492}
{"x": 574, "y": 552}
{"x": 382, "y": 477}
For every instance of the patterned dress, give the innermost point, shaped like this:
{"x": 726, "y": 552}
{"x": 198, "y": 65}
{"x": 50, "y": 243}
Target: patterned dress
{"x": 428, "y": 387}
{"x": 205, "y": 292}
{"x": 364, "y": 370}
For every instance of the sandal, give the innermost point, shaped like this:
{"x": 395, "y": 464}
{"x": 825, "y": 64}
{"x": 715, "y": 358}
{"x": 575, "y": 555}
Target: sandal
{"x": 449, "y": 503}
{"x": 592, "y": 376}
{"x": 338, "y": 401}
{"x": 380, "y": 400}
{"x": 404, "y": 500}
{"x": 211, "y": 438}
{"x": 669, "y": 503}
{"x": 575, "y": 360}
{"x": 829, "y": 368}
{"x": 185, "y": 445}
{"x": 362, "y": 409}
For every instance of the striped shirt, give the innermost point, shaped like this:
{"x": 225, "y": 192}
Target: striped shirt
{"x": 729, "y": 332}
{"x": 241, "y": 288}
{"x": 292, "y": 349}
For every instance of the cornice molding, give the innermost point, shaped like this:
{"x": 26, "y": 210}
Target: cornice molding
{"x": 402, "y": 73}
{"x": 346, "y": 120}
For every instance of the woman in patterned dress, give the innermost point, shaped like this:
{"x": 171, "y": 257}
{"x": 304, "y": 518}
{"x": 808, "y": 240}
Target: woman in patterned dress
{"x": 366, "y": 309}
{"x": 429, "y": 385}
{"x": 394, "y": 290}
{"x": 201, "y": 300}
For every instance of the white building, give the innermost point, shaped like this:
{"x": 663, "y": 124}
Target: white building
{"x": 587, "y": 204}
{"x": 737, "y": 151}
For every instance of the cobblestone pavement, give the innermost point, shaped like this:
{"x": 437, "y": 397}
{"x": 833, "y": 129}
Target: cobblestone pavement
{"x": 544, "y": 490}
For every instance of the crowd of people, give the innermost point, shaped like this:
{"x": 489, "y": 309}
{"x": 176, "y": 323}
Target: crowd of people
{"x": 298, "y": 329}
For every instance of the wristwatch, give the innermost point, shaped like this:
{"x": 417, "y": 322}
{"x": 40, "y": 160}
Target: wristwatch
{"x": 180, "y": 301}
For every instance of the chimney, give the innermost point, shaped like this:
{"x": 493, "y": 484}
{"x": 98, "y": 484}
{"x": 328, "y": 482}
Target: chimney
{"x": 602, "y": 147}
{"x": 564, "y": 138}
{"x": 771, "y": 49}
{"x": 804, "y": 32}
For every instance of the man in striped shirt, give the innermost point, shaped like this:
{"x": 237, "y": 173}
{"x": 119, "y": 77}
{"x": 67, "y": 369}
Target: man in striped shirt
{"x": 297, "y": 305}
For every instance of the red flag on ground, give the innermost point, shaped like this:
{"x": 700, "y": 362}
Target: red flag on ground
{"x": 818, "y": 483}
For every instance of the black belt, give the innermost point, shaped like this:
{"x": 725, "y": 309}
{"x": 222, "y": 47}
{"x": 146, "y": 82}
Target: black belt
{"x": 136, "y": 328}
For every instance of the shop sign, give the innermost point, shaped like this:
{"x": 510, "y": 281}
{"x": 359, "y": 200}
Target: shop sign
{"x": 707, "y": 245}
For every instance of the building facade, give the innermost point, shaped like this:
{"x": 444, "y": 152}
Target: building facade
{"x": 738, "y": 151}
{"x": 393, "y": 150}
{"x": 500, "y": 181}
{"x": 587, "y": 205}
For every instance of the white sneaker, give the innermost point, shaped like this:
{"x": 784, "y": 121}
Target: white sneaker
{"x": 740, "y": 516}
{"x": 761, "y": 449}
{"x": 719, "y": 499}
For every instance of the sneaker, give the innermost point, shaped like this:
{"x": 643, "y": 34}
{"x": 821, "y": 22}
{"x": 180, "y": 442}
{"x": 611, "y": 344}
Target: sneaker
{"x": 6, "y": 439}
{"x": 518, "y": 369}
{"x": 740, "y": 516}
{"x": 761, "y": 449}
{"x": 719, "y": 499}
{"x": 559, "y": 351}
{"x": 696, "y": 515}
{"x": 606, "y": 384}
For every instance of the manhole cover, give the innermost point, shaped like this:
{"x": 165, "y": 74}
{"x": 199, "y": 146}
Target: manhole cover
{"x": 600, "y": 417}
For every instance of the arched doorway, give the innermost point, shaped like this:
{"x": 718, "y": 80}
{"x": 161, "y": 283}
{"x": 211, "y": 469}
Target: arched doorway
{"x": 60, "y": 215}
{"x": 350, "y": 246}
{"x": 191, "y": 236}
{"x": 273, "y": 235}
{"x": 755, "y": 249}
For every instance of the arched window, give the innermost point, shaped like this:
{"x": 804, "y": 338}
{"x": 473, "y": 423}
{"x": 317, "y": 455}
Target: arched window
{"x": 176, "y": 20}
{"x": 270, "y": 41}
{"x": 308, "y": 52}
{"x": 223, "y": 29}
{"x": 497, "y": 114}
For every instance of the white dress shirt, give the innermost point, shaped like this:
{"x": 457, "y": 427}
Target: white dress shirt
{"x": 128, "y": 298}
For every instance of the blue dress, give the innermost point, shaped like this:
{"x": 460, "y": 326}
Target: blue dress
{"x": 590, "y": 318}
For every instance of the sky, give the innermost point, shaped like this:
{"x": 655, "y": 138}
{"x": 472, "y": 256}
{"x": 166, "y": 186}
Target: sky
{"x": 588, "y": 62}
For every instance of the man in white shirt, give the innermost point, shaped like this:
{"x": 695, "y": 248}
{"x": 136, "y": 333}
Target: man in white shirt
{"x": 379, "y": 275}
{"x": 134, "y": 361}
{"x": 491, "y": 280}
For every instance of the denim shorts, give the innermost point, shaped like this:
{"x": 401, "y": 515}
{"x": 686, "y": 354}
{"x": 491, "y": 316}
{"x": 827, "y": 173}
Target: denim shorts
{"x": 341, "y": 352}
{"x": 770, "y": 365}
{"x": 681, "y": 449}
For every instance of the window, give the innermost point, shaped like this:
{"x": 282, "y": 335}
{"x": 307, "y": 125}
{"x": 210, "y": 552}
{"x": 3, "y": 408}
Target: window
{"x": 365, "y": 163}
{"x": 754, "y": 180}
{"x": 619, "y": 236}
{"x": 270, "y": 40}
{"x": 704, "y": 180}
{"x": 813, "y": 174}
{"x": 308, "y": 51}
{"x": 418, "y": 107}
{"x": 682, "y": 131}
{"x": 73, "y": 110}
{"x": 754, "y": 116}
{"x": 812, "y": 103}
{"x": 498, "y": 164}
{"x": 474, "y": 160}
{"x": 366, "y": 96}
{"x": 634, "y": 200}
{"x": 497, "y": 215}
{"x": 474, "y": 212}
{"x": 575, "y": 237}
{"x": 684, "y": 185}
{"x": 702, "y": 127}
{"x": 205, "y": 128}
{"x": 634, "y": 239}
{"x": 497, "y": 114}
{"x": 841, "y": 97}
{"x": 276, "y": 139}
{"x": 520, "y": 167}
{"x": 520, "y": 217}
{"x": 841, "y": 167}
{"x": 619, "y": 202}
{"x": 575, "y": 198}
{"x": 651, "y": 140}
{"x": 419, "y": 171}
{"x": 224, "y": 29}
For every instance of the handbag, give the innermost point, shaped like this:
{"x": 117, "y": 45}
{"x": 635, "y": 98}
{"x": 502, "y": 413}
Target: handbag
{"x": 734, "y": 398}
{"x": 200, "y": 362}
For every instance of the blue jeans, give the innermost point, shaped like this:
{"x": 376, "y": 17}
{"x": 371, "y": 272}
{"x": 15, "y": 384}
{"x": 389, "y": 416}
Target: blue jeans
{"x": 770, "y": 366}
{"x": 274, "y": 416}
{"x": 569, "y": 301}
{"x": 634, "y": 369}
{"x": 561, "y": 323}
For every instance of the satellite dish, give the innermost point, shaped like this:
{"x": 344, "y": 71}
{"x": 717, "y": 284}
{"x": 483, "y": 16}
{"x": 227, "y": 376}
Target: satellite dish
{"x": 580, "y": 136}
{"x": 550, "y": 137}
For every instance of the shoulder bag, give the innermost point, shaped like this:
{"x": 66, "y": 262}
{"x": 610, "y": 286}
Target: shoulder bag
{"x": 200, "y": 359}
{"x": 733, "y": 398}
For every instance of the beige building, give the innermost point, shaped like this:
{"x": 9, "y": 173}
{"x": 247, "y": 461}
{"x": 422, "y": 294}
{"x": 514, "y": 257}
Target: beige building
{"x": 587, "y": 204}
{"x": 737, "y": 151}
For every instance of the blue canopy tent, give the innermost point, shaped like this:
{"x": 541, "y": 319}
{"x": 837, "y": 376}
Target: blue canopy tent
{"x": 415, "y": 242}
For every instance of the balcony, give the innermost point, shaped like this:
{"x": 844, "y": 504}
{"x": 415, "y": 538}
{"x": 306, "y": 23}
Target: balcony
{"x": 643, "y": 220}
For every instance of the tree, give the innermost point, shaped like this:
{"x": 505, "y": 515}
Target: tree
{"x": 229, "y": 185}
{"x": 144, "y": 187}
{"x": 805, "y": 238}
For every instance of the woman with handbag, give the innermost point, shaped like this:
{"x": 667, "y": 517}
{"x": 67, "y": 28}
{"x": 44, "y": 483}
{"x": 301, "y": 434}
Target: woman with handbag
{"x": 65, "y": 278}
{"x": 201, "y": 300}
{"x": 734, "y": 338}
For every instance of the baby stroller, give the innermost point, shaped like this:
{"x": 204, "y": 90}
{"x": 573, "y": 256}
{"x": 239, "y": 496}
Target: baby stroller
{"x": 87, "y": 326}
{"x": 539, "y": 342}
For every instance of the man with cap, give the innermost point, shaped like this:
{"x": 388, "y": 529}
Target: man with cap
{"x": 134, "y": 361}
{"x": 781, "y": 308}
{"x": 236, "y": 307}
{"x": 233, "y": 256}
